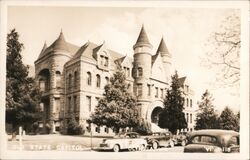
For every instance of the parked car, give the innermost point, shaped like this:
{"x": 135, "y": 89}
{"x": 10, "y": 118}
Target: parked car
{"x": 129, "y": 140}
{"x": 181, "y": 138}
{"x": 213, "y": 141}
{"x": 160, "y": 139}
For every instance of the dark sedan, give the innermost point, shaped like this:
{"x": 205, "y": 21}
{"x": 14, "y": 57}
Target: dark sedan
{"x": 160, "y": 139}
{"x": 214, "y": 141}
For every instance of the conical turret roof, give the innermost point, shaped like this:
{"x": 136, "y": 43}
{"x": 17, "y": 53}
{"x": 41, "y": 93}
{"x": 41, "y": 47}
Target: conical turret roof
{"x": 60, "y": 43}
{"x": 143, "y": 38}
{"x": 163, "y": 48}
{"x": 43, "y": 49}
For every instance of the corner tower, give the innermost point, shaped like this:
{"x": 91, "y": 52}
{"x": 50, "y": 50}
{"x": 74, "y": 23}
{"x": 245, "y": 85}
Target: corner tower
{"x": 142, "y": 70}
{"x": 166, "y": 57}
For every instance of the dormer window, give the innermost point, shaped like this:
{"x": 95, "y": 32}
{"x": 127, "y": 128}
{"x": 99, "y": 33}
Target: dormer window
{"x": 106, "y": 62}
{"x": 126, "y": 71}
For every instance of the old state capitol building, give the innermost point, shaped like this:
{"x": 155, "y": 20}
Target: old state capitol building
{"x": 72, "y": 79}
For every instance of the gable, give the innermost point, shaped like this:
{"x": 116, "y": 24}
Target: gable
{"x": 158, "y": 71}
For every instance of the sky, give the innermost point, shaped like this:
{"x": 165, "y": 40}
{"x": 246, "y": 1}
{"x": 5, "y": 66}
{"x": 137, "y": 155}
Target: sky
{"x": 185, "y": 31}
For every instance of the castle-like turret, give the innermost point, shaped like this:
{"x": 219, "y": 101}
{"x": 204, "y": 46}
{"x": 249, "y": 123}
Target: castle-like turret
{"x": 142, "y": 64}
{"x": 166, "y": 57}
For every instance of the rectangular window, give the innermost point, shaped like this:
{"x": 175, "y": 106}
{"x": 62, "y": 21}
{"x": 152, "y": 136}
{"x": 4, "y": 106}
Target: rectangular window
{"x": 191, "y": 118}
{"x": 161, "y": 93}
{"x": 57, "y": 105}
{"x": 191, "y": 103}
{"x": 149, "y": 90}
{"x": 97, "y": 100}
{"x": 88, "y": 102}
{"x": 42, "y": 85}
{"x": 139, "y": 89}
{"x": 75, "y": 104}
{"x": 156, "y": 92}
{"x": 106, "y": 129}
{"x": 69, "y": 104}
{"x": 187, "y": 117}
{"x": 97, "y": 129}
{"x": 128, "y": 72}
{"x": 42, "y": 107}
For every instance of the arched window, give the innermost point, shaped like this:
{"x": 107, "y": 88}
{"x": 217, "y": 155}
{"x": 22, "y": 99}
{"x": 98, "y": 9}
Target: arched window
{"x": 89, "y": 78}
{"x": 98, "y": 81}
{"x": 58, "y": 79}
{"x": 140, "y": 72}
{"x": 191, "y": 103}
{"x": 70, "y": 81}
{"x": 75, "y": 78}
{"x": 107, "y": 80}
{"x": 187, "y": 117}
{"x": 187, "y": 102}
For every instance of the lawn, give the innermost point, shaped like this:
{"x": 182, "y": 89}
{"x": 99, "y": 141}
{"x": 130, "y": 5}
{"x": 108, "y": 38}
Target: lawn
{"x": 55, "y": 142}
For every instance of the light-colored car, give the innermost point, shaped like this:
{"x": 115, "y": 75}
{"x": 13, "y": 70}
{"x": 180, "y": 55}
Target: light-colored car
{"x": 129, "y": 140}
{"x": 214, "y": 141}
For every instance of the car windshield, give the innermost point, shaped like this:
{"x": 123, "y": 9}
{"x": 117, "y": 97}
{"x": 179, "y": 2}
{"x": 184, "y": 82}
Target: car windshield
{"x": 233, "y": 141}
{"x": 127, "y": 135}
{"x": 203, "y": 139}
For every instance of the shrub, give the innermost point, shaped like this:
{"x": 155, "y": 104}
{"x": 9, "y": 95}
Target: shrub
{"x": 73, "y": 128}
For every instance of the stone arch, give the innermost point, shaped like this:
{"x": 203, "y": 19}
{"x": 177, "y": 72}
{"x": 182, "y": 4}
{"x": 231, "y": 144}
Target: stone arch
{"x": 44, "y": 79}
{"x": 153, "y": 108}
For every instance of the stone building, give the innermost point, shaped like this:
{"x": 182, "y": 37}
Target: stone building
{"x": 72, "y": 79}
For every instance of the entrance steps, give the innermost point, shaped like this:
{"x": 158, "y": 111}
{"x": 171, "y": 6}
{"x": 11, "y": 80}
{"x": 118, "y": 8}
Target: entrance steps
{"x": 156, "y": 128}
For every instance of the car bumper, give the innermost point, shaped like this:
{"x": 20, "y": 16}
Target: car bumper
{"x": 104, "y": 147}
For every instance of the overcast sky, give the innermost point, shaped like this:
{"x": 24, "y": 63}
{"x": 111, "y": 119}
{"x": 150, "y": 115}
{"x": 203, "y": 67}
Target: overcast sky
{"x": 185, "y": 30}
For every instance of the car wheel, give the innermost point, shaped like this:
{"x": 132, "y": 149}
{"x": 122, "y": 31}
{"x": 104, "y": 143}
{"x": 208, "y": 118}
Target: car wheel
{"x": 141, "y": 147}
{"x": 116, "y": 148}
{"x": 183, "y": 143}
{"x": 155, "y": 145}
{"x": 171, "y": 144}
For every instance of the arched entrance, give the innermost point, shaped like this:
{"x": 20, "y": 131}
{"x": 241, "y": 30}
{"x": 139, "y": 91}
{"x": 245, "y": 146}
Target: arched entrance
{"x": 153, "y": 111}
{"x": 155, "y": 114}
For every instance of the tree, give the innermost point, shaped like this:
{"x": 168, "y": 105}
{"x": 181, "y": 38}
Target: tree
{"x": 22, "y": 95}
{"x": 172, "y": 116}
{"x": 117, "y": 108}
{"x": 206, "y": 117}
{"x": 224, "y": 52}
{"x": 228, "y": 120}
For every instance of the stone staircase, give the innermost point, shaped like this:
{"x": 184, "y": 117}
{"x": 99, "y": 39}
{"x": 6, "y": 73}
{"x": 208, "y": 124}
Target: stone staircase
{"x": 156, "y": 128}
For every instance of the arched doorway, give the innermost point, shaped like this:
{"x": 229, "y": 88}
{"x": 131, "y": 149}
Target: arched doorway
{"x": 155, "y": 114}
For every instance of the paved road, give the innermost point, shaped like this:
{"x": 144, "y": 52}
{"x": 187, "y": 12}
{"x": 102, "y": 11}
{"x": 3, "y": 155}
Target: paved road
{"x": 68, "y": 143}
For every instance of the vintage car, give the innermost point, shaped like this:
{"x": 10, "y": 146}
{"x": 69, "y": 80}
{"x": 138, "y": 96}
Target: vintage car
{"x": 215, "y": 141}
{"x": 181, "y": 138}
{"x": 160, "y": 139}
{"x": 129, "y": 140}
